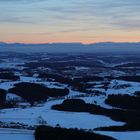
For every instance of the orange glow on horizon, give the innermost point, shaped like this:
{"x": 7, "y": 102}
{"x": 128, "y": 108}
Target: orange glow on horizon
{"x": 71, "y": 40}
{"x": 52, "y": 21}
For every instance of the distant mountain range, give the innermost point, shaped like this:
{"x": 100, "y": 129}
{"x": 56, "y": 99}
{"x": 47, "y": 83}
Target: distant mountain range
{"x": 102, "y": 47}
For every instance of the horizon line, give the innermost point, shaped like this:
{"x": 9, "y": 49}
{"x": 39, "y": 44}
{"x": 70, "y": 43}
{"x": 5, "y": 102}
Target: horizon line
{"x": 26, "y": 43}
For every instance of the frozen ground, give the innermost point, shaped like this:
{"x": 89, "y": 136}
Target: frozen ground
{"x": 16, "y": 134}
{"x": 134, "y": 86}
{"x": 31, "y": 116}
{"x": 121, "y": 135}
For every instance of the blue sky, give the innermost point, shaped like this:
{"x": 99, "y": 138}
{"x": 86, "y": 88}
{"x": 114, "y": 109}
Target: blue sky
{"x": 39, "y": 21}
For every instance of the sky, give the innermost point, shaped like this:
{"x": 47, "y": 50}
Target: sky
{"x": 86, "y": 21}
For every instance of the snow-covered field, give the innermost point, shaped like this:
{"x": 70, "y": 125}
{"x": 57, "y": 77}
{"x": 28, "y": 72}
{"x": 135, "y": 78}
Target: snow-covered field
{"x": 134, "y": 86}
{"x": 121, "y": 135}
{"x": 31, "y": 116}
{"x": 16, "y": 134}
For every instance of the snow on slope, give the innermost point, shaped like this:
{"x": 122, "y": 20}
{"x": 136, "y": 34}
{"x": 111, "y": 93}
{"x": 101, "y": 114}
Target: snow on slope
{"x": 65, "y": 119}
{"x": 31, "y": 116}
{"x": 11, "y": 96}
{"x": 98, "y": 100}
{"x": 135, "y": 86}
{"x": 16, "y": 134}
{"x": 7, "y": 85}
{"x": 121, "y": 135}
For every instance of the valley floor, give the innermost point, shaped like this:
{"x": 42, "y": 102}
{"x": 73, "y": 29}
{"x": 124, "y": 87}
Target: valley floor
{"x": 100, "y": 76}
{"x": 16, "y": 134}
{"x": 122, "y": 135}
